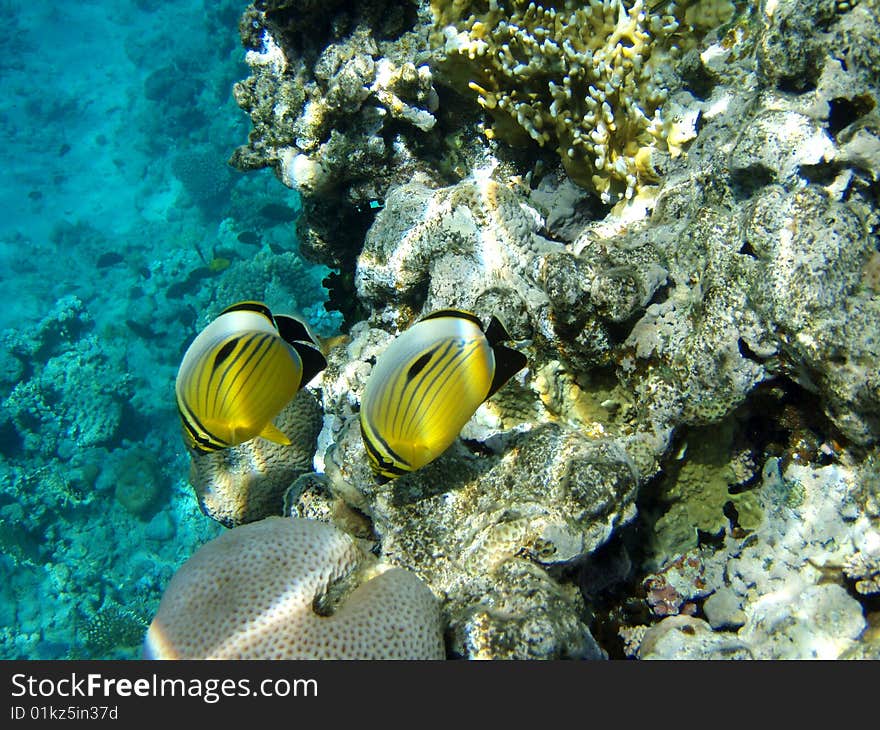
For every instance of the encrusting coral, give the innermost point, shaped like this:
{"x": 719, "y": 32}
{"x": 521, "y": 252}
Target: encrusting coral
{"x": 588, "y": 78}
{"x": 287, "y": 566}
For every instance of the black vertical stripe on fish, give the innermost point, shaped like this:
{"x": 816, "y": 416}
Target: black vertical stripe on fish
{"x": 202, "y": 437}
{"x": 250, "y": 347}
{"x": 194, "y": 436}
{"x": 244, "y": 342}
{"x": 418, "y": 366}
{"x": 461, "y": 369}
{"x": 414, "y": 400}
{"x": 263, "y": 388}
{"x": 380, "y": 458}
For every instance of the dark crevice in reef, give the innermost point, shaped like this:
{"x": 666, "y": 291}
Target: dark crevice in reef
{"x": 870, "y": 602}
{"x": 133, "y": 424}
{"x": 342, "y": 297}
{"x": 747, "y": 250}
{"x": 745, "y": 183}
{"x": 747, "y": 351}
{"x": 11, "y": 441}
{"x": 611, "y": 583}
{"x": 819, "y": 174}
{"x": 843, "y": 111}
{"x": 308, "y": 28}
{"x": 696, "y": 78}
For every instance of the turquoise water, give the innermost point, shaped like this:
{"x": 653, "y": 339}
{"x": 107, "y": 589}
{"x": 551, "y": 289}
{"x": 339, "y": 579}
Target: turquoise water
{"x": 123, "y": 232}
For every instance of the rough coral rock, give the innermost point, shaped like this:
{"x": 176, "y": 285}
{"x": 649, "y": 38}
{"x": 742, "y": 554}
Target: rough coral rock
{"x": 483, "y": 526}
{"x": 779, "y": 586}
{"x": 338, "y": 105}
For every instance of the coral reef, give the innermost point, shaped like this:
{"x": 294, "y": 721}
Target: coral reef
{"x": 778, "y": 591}
{"x": 313, "y": 594}
{"x": 248, "y": 482}
{"x": 139, "y": 487}
{"x": 484, "y": 526}
{"x": 672, "y": 207}
{"x": 69, "y": 392}
{"x": 112, "y": 627}
{"x": 338, "y": 103}
{"x": 591, "y": 80}
{"x": 747, "y": 268}
{"x": 707, "y": 480}
{"x": 203, "y": 175}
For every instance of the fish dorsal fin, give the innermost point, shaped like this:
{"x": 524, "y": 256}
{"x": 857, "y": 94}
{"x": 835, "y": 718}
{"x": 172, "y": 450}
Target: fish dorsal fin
{"x": 251, "y": 306}
{"x": 272, "y": 433}
{"x": 460, "y": 313}
{"x": 297, "y": 335}
{"x": 292, "y": 330}
{"x": 508, "y": 362}
{"x": 496, "y": 332}
{"x": 313, "y": 362}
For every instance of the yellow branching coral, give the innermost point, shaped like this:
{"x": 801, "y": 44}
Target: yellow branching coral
{"x": 588, "y": 77}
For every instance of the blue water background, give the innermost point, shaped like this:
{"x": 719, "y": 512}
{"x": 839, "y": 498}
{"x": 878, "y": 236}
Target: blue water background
{"x": 122, "y": 232}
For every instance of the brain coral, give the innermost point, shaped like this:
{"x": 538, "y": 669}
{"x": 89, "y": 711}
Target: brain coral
{"x": 250, "y": 594}
{"x": 247, "y": 482}
{"x": 588, "y": 78}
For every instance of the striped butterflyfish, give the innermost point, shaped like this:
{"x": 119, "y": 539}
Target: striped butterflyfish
{"x": 239, "y": 373}
{"x": 426, "y": 386}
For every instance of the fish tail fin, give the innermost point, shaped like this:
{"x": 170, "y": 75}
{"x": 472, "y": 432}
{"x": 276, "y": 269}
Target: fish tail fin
{"x": 508, "y": 362}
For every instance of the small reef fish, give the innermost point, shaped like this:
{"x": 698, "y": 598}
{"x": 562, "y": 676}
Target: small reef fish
{"x": 426, "y": 386}
{"x": 239, "y": 373}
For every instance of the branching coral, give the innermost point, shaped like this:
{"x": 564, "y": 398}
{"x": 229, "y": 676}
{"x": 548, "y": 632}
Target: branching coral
{"x": 590, "y": 78}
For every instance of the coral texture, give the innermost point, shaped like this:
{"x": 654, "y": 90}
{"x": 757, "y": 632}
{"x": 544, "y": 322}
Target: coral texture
{"x": 283, "y": 566}
{"x": 247, "y": 482}
{"x": 591, "y": 80}
{"x": 337, "y": 103}
{"x": 695, "y": 316}
{"x": 774, "y": 586}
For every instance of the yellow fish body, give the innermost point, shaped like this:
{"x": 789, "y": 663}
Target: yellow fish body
{"x": 426, "y": 386}
{"x": 239, "y": 373}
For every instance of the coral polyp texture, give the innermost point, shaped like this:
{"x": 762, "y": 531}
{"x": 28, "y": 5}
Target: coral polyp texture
{"x": 247, "y": 482}
{"x": 286, "y": 568}
{"x": 588, "y": 79}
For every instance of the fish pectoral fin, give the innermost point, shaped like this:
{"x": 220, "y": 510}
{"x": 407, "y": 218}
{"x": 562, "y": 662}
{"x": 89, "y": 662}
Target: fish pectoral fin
{"x": 274, "y": 434}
